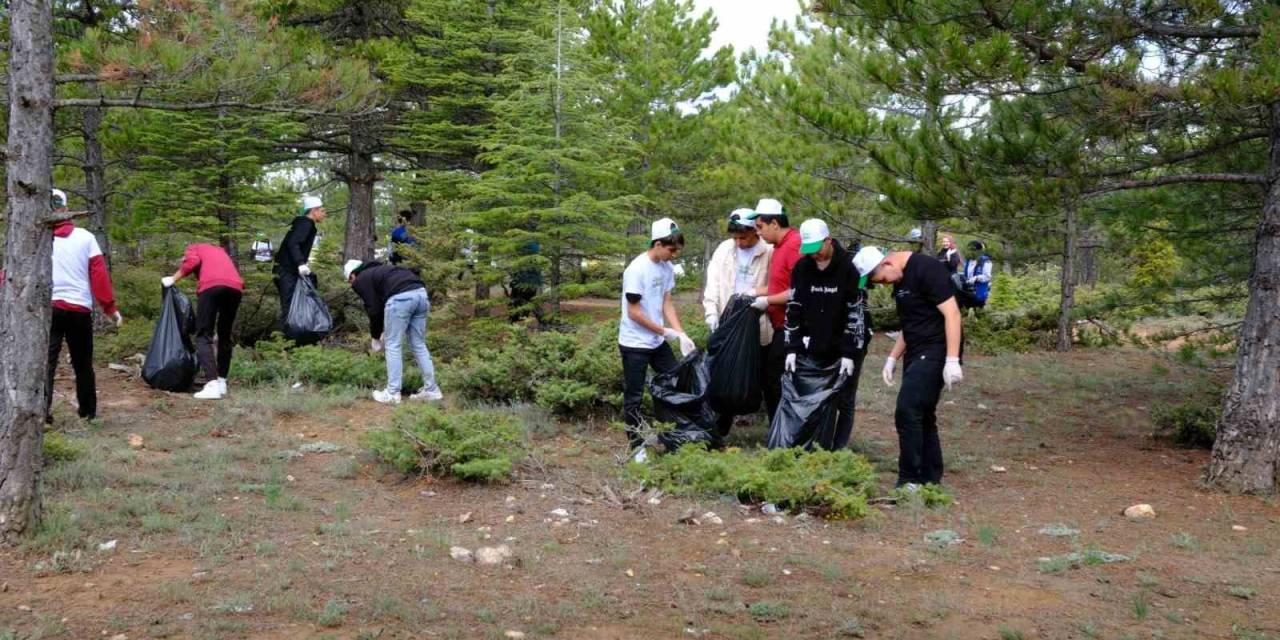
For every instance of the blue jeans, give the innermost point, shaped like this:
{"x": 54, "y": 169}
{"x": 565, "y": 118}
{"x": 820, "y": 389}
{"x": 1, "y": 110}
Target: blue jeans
{"x": 406, "y": 313}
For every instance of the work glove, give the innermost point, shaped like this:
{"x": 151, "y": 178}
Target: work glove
{"x": 167, "y": 281}
{"x": 304, "y": 270}
{"x": 972, "y": 279}
{"x": 760, "y": 303}
{"x": 846, "y": 366}
{"x": 687, "y": 345}
{"x": 887, "y": 373}
{"x": 790, "y": 365}
{"x": 375, "y": 345}
{"x": 951, "y": 372}
{"x": 119, "y": 319}
{"x": 712, "y": 323}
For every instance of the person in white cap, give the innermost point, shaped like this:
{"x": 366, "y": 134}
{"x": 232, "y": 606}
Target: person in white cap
{"x": 294, "y": 254}
{"x": 80, "y": 278}
{"x": 397, "y": 303}
{"x": 642, "y": 338}
{"x": 739, "y": 266}
{"x": 827, "y": 318}
{"x": 774, "y": 227}
{"x": 929, "y": 346}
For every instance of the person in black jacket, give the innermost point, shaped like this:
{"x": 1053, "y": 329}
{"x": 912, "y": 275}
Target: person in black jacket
{"x": 396, "y": 300}
{"x": 827, "y": 316}
{"x": 294, "y": 254}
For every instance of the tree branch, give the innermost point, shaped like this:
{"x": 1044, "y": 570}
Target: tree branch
{"x": 1186, "y": 178}
{"x": 183, "y": 106}
{"x": 1212, "y": 147}
{"x": 1188, "y": 31}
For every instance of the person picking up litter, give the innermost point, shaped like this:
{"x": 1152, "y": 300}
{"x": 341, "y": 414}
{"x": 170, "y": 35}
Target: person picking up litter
{"x": 218, "y": 291}
{"x": 396, "y": 300}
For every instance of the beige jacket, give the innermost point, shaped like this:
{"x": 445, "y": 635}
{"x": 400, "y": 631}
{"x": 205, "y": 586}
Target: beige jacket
{"x": 721, "y": 276}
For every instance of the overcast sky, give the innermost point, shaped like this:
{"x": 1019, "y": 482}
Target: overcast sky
{"x": 745, "y": 23}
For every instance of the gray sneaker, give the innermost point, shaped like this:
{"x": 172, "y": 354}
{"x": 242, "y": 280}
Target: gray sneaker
{"x": 428, "y": 395}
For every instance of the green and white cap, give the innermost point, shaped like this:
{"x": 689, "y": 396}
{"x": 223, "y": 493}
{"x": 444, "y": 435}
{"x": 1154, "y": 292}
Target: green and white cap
{"x": 866, "y": 261}
{"x": 662, "y": 228}
{"x": 309, "y": 203}
{"x": 767, "y": 207}
{"x": 813, "y": 232}
{"x": 58, "y": 198}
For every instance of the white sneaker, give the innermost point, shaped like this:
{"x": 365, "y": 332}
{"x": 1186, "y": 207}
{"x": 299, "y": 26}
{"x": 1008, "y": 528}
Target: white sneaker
{"x": 212, "y": 390}
{"x": 429, "y": 395}
{"x": 641, "y": 455}
{"x": 381, "y": 395}
{"x": 222, "y": 382}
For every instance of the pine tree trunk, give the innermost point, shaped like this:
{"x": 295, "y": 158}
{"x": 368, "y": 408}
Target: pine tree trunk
{"x": 1246, "y": 455}
{"x": 24, "y": 296}
{"x": 95, "y": 178}
{"x": 360, "y": 175}
{"x": 1068, "y": 301}
{"x": 929, "y": 245}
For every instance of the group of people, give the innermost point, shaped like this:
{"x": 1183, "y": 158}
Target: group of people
{"x": 813, "y": 295}
{"x": 394, "y": 297}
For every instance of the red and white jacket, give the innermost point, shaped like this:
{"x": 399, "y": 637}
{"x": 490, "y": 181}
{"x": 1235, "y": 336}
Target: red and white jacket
{"x": 79, "y": 271}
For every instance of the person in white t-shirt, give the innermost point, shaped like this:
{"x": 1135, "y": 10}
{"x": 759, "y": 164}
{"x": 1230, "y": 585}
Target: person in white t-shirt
{"x": 642, "y": 338}
{"x": 739, "y": 266}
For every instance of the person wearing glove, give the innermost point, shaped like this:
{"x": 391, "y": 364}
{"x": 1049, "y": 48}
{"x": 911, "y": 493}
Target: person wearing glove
{"x": 827, "y": 320}
{"x": 738, "y": 267}
{"x": 646, "y": 303}
{"x": 80, "y": 278}
{"x": 219, "y": 288}
{"x": 774, "y": 227}
{"x": 929, "y": 347}
{"x": 294, "y": 253}
{"x": 397, "y": 303}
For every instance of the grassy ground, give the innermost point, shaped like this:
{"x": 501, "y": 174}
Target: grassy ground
{"x": 225, "y": 531}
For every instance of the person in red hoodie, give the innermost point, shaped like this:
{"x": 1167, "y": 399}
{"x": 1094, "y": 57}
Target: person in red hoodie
{"x": 218, "y": 292}
{"x": 79, "y": 278}
{"x": 774, "y": 227}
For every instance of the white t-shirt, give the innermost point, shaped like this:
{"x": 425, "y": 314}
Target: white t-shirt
{"x": 71, "y": 256}
{"x": 743, "y": 281}
{"x": 651, "y": 280}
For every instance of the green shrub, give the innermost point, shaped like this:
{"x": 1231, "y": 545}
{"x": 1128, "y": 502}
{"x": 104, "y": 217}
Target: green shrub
{"x": 473, "y": 445}
{"x": 60, "y": 448}
{"x": 276, "y": 360}
{"x": 835, "y": 484}
{"x": 1190, "y": 424}
{"x": 931, "y": 496}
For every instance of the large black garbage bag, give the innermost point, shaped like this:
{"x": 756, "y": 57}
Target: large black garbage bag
{"x": 807, "y": 413}
{"x": 733, "y": 358}
{"x": 308, "y": 320}
{"x": 171, "y": 359}
{"x": 680, "y": 398}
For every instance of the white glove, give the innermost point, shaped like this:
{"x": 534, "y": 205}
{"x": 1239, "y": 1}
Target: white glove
{"x": 687, "y": 345}
{"x": 973, "y": 279}
{"x": 790, "y": 365}
{"x": 712, "y": 323}
{"x": 846, "y": 366}
{"x": 760, "y": 303}
{"x": 887, "y": 373}
{"x": 167, "y": 281}
{"x": 670, "y": 334}
{"x": 951, "y": 372}
{"x": 304, "y": 270}
{"x": 118, "y": 318}
{"x": 375, "y": 345}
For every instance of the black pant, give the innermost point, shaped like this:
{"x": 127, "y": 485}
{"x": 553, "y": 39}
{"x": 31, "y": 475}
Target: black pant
{"x": 919, "y": 450}
{"x": 635, "y": 368}
{"x": 775, "y": 361}
{"x": 845, "y": 401}
{"x": 286, "y": 280}
{"x": 724, "y": 421}
{"x": 77, "y": 329}
{"x": 215, "y": 310}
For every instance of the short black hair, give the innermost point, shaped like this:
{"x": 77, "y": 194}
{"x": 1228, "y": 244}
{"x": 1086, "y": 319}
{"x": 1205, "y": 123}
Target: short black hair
{"x": 674, "y": 240}
{"x": 405, "y": 215}
{"x": 781, "y": 218}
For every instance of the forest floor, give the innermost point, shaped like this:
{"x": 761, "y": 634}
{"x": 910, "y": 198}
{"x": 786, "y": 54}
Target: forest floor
{"x": 225, "y": 531}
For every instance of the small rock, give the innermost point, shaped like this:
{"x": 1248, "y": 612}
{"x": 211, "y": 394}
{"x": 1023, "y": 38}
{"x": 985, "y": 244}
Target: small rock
{"x": 464, "y": 518}
{"x": 461, "y": 554}
{"x": 290, "y": 478}
{"x": 995, "y": 468}
{"x": 427, "y": 494}
{"x": 1058, "y": 530}
{"x": 688, "y": 517}
{"x": 655, "y": 501}
{"x": 710, "y": 517}
{"x": 511, "y": 519}
{"x": 630, "y": 573}
{"x": 513, "y": 634}
{"x": 779, "y": 520}
{"x": 1237, "y": 527}
{"x": 982, "y": 406}
{"x": 493, "y": 555}
{"x": 23, "y": 607}
{"x": 109, "y": 545}
{"x": 135, "y": 441}
{"x": 319, "y": 447}
{"x": 1140, "y": 512}
{"x": 560, "y": 513}
{"x": 119, "y": 636}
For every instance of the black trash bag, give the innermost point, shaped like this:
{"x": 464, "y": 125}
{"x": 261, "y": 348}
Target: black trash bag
{"x": 170, "y": 364}
{"x": 680, "y": 398}
{"x": 308, "y": 320}
{"x": 733, "y": 358}
{"x": 807, "y": 412}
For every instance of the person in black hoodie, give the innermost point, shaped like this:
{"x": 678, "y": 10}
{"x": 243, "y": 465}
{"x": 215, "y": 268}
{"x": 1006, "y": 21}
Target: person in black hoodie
{"x": 827, "y": 316}
{"x": 396, "y": 300}
{"x": 294, "y": 254}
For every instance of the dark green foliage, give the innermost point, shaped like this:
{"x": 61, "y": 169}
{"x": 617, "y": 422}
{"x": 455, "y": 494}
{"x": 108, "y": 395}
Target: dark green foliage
{"x": 472, "y": 445}
{"x": 568, "y": 374}
{"x": 275, "y": 360}
{"x": 835, "y": 484}
{"x": 1191, "y": 424}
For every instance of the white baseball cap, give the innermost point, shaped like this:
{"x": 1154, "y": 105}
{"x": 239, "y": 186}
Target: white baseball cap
{"x": 59, "y": 198}
{"x": 351, "y": 265}
{"x": 662, "y": 228}
{"x": 915, "y": 234}
{"x": 740, "y": 219}
{"x": 309, "y": 203}
{"x": 813, "y": 232}
{"x": 866, "y": 261}
{"x": 768, "y": 207}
